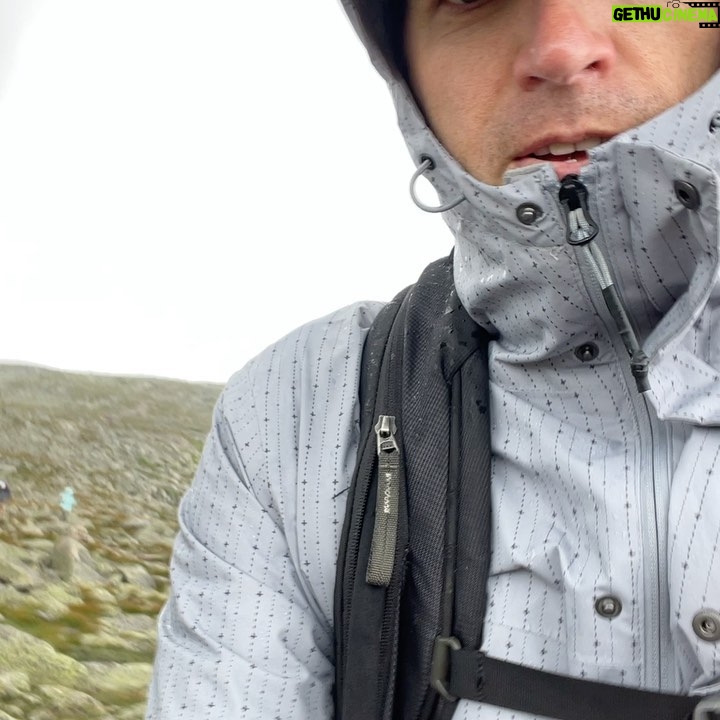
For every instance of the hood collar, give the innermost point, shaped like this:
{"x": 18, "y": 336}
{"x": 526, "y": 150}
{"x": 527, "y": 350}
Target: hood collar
{"x": 678, "y": 129}
{"x": 663, "y": 256}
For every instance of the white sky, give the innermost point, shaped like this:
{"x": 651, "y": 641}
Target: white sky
{"x": 184, "y": 181}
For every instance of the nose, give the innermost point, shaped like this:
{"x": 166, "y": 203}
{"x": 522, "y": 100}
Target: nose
{"x": 566, "y": 45}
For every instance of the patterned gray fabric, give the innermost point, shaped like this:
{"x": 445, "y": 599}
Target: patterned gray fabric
{"x": 597, "y": 491}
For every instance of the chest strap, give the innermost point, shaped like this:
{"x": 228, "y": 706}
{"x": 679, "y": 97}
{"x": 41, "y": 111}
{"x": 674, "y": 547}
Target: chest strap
{"x": 472, "y": 675}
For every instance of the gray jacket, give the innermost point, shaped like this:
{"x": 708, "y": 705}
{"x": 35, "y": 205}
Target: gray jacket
{"x": 606, "y": 530}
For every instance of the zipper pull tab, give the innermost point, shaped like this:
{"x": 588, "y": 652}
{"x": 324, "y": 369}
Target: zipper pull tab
{"x": 385, "y": 430}
{"x": 573, "y": 197}
{"x": 581, "y": 230}
{"x": 384, "y": 538}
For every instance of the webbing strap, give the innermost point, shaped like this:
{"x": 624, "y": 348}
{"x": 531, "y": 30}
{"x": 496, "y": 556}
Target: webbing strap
{"x": 475, "y": 676}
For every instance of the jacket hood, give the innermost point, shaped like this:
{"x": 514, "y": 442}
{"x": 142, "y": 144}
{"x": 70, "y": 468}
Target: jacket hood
{"x": 380, "y": 25}
{"x": 370, "y": 21}
{"x": 531, "y": 288}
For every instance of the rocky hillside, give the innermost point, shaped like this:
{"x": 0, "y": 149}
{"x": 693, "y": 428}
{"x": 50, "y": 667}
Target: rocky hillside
{"x": 80, "y": 591}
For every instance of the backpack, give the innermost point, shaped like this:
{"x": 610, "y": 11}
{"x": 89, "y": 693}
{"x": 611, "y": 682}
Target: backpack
{"x": 414, "y": 556}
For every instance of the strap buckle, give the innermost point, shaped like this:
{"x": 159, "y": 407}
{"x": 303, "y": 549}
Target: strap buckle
{"x": 708, "y": 708}
{"x": 439, "y": 670}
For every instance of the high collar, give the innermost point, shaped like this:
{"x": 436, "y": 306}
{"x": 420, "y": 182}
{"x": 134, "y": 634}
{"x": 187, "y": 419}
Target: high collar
{"x": 526, "y": 283}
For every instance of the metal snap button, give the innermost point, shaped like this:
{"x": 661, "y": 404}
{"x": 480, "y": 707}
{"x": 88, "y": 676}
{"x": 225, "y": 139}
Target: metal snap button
{"x": 687, "y": 194}
{"x": 706, "y": 625}
{"x": 587, "y": 352}
{"x": 608, "y": 606}
{"x": 715, "y": 122}
{"x": 528, "y": 213}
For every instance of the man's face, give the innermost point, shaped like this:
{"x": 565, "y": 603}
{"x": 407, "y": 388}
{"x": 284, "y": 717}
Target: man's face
{"x": 502, "y": 82}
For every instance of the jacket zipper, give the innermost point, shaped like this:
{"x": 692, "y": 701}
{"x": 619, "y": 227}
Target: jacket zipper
{"x": 384, "y": 538}
{"x": 582, "y": 230}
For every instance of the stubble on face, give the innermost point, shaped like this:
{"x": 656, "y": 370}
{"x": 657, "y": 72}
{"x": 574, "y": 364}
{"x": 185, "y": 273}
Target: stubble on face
{"x": 489, "y": 94}
{"x": 488, "y": 152}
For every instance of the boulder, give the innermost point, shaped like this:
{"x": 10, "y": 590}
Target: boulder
{"x": 134, "y": 524}
{"x": 137, "y": 575}
{"x": 129, "y": 623}
{"x": 158, "y": 537}
{"x": 16, "y": 567}
{"x": 132, "y": 712}
{"x": 97, "y": 593}
{"x": 43, "y": 546}
{"x": 5, "y": 716}
{"x": 125, "y": 637}
{"x": 43, "y": 714}
{"x": 70, "y": 559}
{"x": 68, "y": 703}
{"x": 118, "y": 683}
{"x": 135, "y": 599}
{"x": 14, "y": 685}
{"x": 65, "y": 556}
{"x": 21, "y": 652}
{"x": 30, "y": 529}
{"x": 51, "y": 602}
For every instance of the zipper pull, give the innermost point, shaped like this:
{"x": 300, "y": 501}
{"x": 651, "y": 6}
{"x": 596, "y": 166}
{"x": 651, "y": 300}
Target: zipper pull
{"x": 581, "y": 230}
{"x": 573, "y": 197}
{"x": 385, "y": 430}
{"x": 384, "y": 538}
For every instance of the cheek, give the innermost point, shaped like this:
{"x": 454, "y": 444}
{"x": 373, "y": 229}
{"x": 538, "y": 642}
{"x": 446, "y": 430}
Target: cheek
{"x": 683, "y": 59}
{"x": 458, "y": 96}
{"x": 705, "y": 52}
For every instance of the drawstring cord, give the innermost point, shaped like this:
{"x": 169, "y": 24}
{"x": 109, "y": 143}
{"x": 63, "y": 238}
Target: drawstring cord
{"x": 427, "y": 163}
{"x": 581, "y": 233}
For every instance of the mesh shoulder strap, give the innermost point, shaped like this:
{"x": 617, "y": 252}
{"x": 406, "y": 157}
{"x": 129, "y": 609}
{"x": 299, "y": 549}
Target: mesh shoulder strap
{"x": 361, "y": 613}
{"x": 425, "y": 365}
{"x": 416, "y": 353}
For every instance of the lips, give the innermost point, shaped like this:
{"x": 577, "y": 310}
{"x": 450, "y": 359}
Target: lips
{"x": 558, "y": 149}
{"x": 566, "y": 156}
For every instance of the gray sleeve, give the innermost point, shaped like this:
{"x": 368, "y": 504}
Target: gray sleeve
{"x": 238, "y": 637}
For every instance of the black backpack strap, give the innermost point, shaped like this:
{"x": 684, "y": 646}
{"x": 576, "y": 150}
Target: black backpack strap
{"x": 366, "y": 616}
{"x": 414, "y": 361}
{"x": 468, "y": 504}
{"x": 425, "y": 369}
{"x": 475, "y": 676}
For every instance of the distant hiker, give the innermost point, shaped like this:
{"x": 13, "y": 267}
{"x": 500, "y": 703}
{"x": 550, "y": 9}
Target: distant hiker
{"x": 67, "y": 502}
{"x": 5, "y": 496}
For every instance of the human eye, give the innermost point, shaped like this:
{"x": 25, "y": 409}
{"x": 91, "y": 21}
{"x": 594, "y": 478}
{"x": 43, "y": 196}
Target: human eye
{"x": 467, "y": 3}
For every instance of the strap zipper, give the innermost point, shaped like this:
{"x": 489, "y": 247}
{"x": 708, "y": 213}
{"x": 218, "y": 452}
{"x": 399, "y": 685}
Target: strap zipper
{"x": 384, "y": 539}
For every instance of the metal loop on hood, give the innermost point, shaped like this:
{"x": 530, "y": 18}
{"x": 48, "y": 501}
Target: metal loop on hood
{"x": 426, "y": 163}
